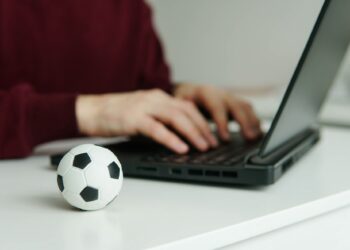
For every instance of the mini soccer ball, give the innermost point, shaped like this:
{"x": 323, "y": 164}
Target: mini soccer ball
{"x": 89, "y": 177}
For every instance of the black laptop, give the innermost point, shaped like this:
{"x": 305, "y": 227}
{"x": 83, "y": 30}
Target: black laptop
{"x": 294, "y": 130}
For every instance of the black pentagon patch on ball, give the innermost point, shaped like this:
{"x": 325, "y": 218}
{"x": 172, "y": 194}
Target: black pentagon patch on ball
{"x": 81, "y": 160}
{"x": 89, "y": 194}
{"x": 60, "y": 183}
{"x": 114, "y": 170}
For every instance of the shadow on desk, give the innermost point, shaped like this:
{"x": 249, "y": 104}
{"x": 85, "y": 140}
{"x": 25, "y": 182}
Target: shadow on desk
{"x": 51, "y": 201}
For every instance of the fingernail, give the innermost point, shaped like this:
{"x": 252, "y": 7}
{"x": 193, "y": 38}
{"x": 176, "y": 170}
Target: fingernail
{"x": 226, "y": 136}
{"x": 253, "y": 133}
{"x": 214, "y": 142}
{"x": 182, "y": 148}
{"x": 202, "y": 144}
{"x": 257, "y": 130}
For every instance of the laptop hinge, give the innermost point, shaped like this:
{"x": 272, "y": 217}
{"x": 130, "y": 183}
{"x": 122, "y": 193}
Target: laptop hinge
{"x": 284, "y": 149}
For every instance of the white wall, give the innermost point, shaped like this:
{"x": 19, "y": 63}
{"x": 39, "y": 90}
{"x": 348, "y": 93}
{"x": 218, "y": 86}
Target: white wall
{"x": 234, "y": 42}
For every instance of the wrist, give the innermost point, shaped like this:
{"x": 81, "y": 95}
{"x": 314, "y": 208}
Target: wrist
{"x": 86, "y": 109}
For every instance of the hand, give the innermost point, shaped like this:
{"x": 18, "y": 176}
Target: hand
{"x": 145, "y": 112}
{"x": 219, "y": 104}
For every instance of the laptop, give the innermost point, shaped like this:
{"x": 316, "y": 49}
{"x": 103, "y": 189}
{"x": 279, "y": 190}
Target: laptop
{"x": 293, "y": 132}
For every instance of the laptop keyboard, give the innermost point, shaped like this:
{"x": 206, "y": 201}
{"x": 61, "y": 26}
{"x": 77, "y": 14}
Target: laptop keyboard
{"x": 225, "y": 154}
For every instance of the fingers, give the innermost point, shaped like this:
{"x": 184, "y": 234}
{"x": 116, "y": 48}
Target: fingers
{"x": 178, "y": 120}
{"x": 246, "y": 117}
{"x": 220, "y": 104}
{"x": 184, "y": 118}
{"x": 159, "y": 133}
{"x": 255, "y": 127}
{"x": 148, "y": 113}
{"x": 218, "y": 111}
{"x": 199, "y": 121}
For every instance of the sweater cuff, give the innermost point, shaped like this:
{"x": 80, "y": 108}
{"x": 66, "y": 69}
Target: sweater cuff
{"x": 51, "y": 117}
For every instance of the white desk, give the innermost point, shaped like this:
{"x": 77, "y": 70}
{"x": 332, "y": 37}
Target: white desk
{"x": 163, "y": 215}
{"x": 329, "y": 231}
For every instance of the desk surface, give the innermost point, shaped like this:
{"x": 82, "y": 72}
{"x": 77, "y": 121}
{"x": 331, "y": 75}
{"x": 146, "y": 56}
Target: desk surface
{"x": 164, "y": 215}
{"x": 329, "y": 231}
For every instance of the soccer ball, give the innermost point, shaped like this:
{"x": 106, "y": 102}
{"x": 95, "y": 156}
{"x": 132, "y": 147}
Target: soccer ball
{"x": 89, "y": 177}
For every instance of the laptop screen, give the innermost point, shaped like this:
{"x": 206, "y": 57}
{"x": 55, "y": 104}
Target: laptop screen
{"x": 314, "y": 74}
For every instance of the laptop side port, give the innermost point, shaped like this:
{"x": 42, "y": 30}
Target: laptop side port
{"x": 176, "y": 171}
{"x": 197, "y": 172}
{"x": 229, "y": 174}
{"x": 147, "y": 169}
{"x": 212, "y": 173}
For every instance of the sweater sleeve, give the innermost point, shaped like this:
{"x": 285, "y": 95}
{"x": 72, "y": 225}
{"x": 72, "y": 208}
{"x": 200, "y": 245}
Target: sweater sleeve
{"x": 155, "y": 72}
{"x": 29, "y": 118}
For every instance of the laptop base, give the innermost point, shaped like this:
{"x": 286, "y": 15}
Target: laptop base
{"x": 250, "y": 170}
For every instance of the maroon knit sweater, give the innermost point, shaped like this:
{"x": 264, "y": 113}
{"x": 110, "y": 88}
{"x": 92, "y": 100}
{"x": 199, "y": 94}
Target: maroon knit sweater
{"x": 51, "y": 51}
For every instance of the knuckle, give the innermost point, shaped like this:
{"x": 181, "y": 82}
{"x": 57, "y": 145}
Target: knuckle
{"x": 248, "y": 105}
{"x": 187, "y": 105}
{"x": 257, "y": 121}
{"x": 152, "y": 96}
{"x": 204, "y": 126}
{"x": 221, "y": 115}
{"x": 204, "y": 90}
{"x": 239, "y": 109}
{"x": 157, "y": 92}
{"x": 193, "y": 132}
{"x": 190, "y": 105}
{"x": 244, "y": 104}
{"x": 154, "y": 129}
{"x": 143, "y": 95}
{"x": 174, "y": 113}
{"x": 140, "y": 92}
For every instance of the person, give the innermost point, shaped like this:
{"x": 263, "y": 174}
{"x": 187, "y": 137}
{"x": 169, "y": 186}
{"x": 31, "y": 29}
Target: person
{"x": 74, "y": 68}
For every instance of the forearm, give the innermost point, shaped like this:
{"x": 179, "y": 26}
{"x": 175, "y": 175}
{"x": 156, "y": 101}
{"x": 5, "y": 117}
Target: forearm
{"x": 29, "y": 118}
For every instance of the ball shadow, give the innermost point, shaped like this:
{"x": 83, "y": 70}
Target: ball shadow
{"x": 54, "y": 202}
